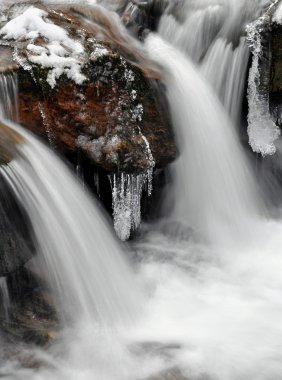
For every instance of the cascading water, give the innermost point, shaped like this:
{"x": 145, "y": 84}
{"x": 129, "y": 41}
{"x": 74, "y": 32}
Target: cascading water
{"x": 81, "y": 257}
{"x": 213, "y": 184}
{"x": 9, "y": 96}
{"x": 225, "y": 66}
{"x": 8, "y": 110}
{"x": 213, "y": 311}
{"x": 212, "y": 34}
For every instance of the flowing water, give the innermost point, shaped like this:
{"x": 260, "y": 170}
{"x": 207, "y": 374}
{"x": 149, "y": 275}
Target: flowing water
{"x": 210, "y": 270}
{"x": 81, "y": 257}
{"x": 213, "y": 184}
{"x": 8, "y": 96}
{"x": 8, "y": 110}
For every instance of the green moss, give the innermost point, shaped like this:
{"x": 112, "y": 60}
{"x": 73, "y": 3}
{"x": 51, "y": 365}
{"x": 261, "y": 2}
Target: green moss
{"x": 41, "y": 73}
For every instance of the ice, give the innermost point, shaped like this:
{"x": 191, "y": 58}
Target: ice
{"x": 262, "y": 130}
{"x": 127, "y": 189}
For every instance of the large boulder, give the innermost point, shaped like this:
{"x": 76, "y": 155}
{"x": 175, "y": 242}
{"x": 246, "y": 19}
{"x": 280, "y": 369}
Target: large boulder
{"x": 86, "y": 90}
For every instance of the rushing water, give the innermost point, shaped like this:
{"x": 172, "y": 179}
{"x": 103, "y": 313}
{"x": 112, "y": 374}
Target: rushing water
{"x": 81, "y": 257}
{"x": 213, "y": 185}
{"x": 210, "y": 271}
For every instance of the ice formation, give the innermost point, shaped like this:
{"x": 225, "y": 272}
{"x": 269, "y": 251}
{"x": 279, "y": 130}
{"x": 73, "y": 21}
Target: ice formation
{"x": 262, "y": 130}
{"x": 97, "y": 183}
{"x": 126, "y": 198}
{"x": 51, "y": 137}
{"x": 61, "y": 54}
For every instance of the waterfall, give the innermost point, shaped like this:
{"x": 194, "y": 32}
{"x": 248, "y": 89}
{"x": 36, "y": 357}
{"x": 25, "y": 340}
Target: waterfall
{"x": 212, "y": 35}
{"x": 8, "y": 110}
{"x": 9, "y": 96}
{"x": 225, "y": 66}
{"x": 79, "y": 254}
{"x": 213, "y": 184}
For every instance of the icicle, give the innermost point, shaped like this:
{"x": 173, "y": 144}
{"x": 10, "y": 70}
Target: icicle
{"x": 48, "y": 130}
{"x": 151, "y": 163}
{"x": 262, "y": 130}
{"x": 97, "y": 183}
{"x": 80, "y": 175}
{"x": 126, "y": 198}
{"x": 4, "y": 297}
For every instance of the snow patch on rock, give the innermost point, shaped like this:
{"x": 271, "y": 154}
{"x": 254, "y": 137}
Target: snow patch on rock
{"x": 61, "y": 54}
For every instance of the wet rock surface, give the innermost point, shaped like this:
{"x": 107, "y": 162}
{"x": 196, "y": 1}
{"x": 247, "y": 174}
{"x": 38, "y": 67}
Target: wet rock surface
{"x": 31, "y": 317}
{"x": 274, "y": 56}
{"x": 138, "y": 16}
{"x": 16, "y": 246}
{"x": 276, "y": 72}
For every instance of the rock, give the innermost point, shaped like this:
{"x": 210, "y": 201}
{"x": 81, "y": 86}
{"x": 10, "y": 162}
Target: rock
{"x": 112, "y": 116}
{"x": 32, "y": 317}
{"x": 276, "y": 71}
{"x": 273, "y": 57}
{"x": 138, "y": 15}
{"x": 16, "y": 246}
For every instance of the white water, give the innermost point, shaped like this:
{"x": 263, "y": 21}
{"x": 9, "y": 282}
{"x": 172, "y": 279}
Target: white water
{"x": 213, "y": 184}
{"x": 225, "y": 67}
{"x": 212, "y": 35}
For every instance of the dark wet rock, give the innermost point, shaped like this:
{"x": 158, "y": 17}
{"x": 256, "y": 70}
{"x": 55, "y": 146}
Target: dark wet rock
{"x": 276, "y": 72}
{"x": 113, "y": 116}
{"x": 16, "y": 246}
{"x": 139, "y": 15}
{"x": 32, "y": 318}
{"x": 275, "y": 65}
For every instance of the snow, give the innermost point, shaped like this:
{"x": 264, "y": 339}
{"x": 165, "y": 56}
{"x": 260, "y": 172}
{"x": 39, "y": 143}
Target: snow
{"x": 99, "y": 51}
{"x": 62, "y": 55}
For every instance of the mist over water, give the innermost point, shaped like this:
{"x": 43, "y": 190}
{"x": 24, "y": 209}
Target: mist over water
{"x": 209, "y": 272}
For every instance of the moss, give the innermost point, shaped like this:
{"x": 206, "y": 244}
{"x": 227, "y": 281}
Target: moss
{"x": 40, "y": 74}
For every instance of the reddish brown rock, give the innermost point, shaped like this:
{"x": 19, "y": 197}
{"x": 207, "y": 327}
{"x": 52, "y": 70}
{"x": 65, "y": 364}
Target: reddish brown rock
{"x": 113, "y": 118}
